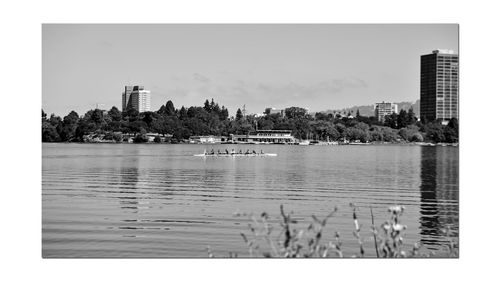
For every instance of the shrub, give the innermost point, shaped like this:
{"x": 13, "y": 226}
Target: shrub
{"x": 417, "y": 137}
{"x": 118, "y": 137}
{"x": 108, "y": 136}
{"x": 140, "y": 138}
{"x": 404, "y": 133}
{"x": 157, "y": 139}
{"x": 434, "y": 132}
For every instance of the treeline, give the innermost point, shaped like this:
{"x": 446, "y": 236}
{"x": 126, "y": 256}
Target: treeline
{"x": 212, "y": 119}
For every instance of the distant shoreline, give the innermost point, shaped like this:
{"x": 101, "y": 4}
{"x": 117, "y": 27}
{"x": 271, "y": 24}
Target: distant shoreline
{"x": 270, "y": 144}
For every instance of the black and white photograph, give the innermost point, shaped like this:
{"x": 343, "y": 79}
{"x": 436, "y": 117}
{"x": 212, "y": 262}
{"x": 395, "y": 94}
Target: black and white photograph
{"x": 250, "y": 141}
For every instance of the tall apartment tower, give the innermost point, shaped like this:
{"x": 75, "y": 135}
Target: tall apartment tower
{"x": 136, "y": 97}
{"x": 439, "y": 85}
{"x": 383, "y": 109}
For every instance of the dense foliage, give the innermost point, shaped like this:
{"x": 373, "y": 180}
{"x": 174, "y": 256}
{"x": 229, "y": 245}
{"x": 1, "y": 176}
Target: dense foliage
{"x": 212, "y": 119}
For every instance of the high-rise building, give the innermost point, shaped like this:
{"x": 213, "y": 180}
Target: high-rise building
{"x": 439, "y": 85}
{"x": 383, "y": 109}
{"x": 136, "y": 97}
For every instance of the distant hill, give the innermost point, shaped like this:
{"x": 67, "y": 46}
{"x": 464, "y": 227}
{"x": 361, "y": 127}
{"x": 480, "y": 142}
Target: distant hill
{"x": 368, "y": 110}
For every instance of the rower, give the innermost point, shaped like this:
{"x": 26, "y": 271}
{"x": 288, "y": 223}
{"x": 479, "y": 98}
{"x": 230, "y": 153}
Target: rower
{"x": 218, "y": 151}
{"x": 254, "y": 152}
{"x": 261, "y": 152}
{"x": 212, "y": 152}
{"x": 227, "y": 152}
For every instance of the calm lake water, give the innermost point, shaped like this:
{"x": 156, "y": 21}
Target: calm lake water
{"x": 157, "y": 200}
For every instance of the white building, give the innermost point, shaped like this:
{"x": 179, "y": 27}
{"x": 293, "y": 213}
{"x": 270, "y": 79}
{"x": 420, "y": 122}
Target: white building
{"x": 383, "y": 109}
{"x": 136, "y": 97}
{"x": 205, "y": 139}
{"x": 265, "y": 136}
{"x": 272, "y": 110}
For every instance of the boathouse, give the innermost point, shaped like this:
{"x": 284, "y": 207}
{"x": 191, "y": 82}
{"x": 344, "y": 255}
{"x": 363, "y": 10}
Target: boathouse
{"x": 266, "y": 136}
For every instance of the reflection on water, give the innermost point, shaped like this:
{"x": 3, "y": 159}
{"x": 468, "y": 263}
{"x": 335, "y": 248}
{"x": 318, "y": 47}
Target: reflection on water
{"x": 439, "y": 194}
{"x": 128, "y": 187}
{"x": 128, "y": 200}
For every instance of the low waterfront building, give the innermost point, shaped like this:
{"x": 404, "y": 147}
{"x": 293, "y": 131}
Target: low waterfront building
{"x": 129, "y": 137}
{"x": 383, "y": 109}
{"x": 205, "y": 139}
{"x": 266, "y": 136}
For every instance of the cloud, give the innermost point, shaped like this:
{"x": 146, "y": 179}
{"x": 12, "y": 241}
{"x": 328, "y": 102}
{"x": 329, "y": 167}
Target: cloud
{"x": 201, "y": 78}
{"x": 260, "y": 94}
{"x": 293, "y": 90}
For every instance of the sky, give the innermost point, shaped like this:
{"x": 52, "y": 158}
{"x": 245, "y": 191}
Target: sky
{"x": 318, "y": 67}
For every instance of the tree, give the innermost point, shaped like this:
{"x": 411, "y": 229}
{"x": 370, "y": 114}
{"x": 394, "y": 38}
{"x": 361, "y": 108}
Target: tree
{"x": 131, "y": 114}
{"x": 68, "y": 127}
{"x": 212, "y": 105}
{"x": 391, "y": 121}
{"x": 115, "y": 114}
{"x": 357, "y": 113}
{"x": 450, "y": 132}
{"x": 137, "y": 126}
{"x": 376, "y": 135}
{"x": 183, "y": 113}
{"x": 408, "y": 132}
{"x": 300, "y": 127}
{"x": 54, "y": 120}
{"x": 265, "y": 124}
{"x": 149, "y": 117}
{"x": 169, "y": 108}
{"x": 341, "y": 128}
{"x": 411, "y": 119}
{"x": 453, "y": 124}
{"x": 434, "y": 132}
{"x": 206, "y": 106}
{"x": 324, "y": 130}
{"x": 216, "y": 109}
{"x": 224, "y": 114}
{"x": 97, "y": 116}
{"x": 181, "y": 133}
{"x": 353, "y": 134}
{"x": 402, "y": 119}
{"x": 49, "y": 133}
{"x": 239, "y": 115}
{"x": 295, "y": 112}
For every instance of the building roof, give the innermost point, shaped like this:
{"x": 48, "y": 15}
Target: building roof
{"x": 274, "y": 131}
{"x": 444, "y": 51}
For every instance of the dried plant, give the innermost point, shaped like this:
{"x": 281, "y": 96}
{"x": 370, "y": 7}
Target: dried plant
{"x": 309, "y": 242}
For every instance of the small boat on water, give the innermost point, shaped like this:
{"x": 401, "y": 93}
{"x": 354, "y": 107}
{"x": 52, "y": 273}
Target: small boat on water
{"x": 234, "y": 153}
{"x": 237, "y": 155}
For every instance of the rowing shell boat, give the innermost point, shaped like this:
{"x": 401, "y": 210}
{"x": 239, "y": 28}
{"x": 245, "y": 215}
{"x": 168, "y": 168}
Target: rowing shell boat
{"x": 238, "y": 155}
